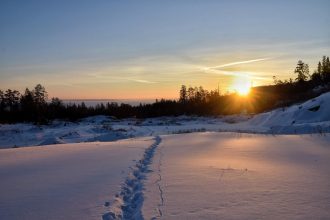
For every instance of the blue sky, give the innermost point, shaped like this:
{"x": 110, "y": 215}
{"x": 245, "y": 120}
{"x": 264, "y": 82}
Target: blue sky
{"x": 147, "y": 49}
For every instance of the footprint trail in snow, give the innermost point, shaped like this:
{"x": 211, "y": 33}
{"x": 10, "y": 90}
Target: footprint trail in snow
{"x": 128, "y": 202}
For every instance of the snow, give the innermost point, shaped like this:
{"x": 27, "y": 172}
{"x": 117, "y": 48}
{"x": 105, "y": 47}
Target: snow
{"x": 273, "y": 165}
{"x": 71, "y": 181}
{"x": 127, "y": 204}
{"x": 312, "y": 116}
{"x": 239, "y": 176}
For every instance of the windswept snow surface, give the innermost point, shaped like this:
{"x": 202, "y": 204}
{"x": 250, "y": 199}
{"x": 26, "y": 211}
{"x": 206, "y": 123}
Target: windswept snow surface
{"x": 239, "y": 176}
{"x": 312, "y": 116}
{"x": 71, "y": 181}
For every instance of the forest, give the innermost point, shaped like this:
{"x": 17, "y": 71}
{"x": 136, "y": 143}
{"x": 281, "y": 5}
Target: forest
{"x": 34, "y": 105}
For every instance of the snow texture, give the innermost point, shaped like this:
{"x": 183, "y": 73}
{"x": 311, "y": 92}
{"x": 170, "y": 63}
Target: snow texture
{"x": 239, "y": 176}
{"x": 70, "y": 181}
{"x": 127, "y": 204}
{"x": 170, "y": 167}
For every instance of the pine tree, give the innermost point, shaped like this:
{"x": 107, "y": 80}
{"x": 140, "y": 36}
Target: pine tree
{"x": 326, "y": 69}
{"x": 327, "y": 66}
{"x": 183, "y": 94}
{"x": 319, "y": 68}
{"x": 191, "y": 93}
{"x": 11, "y": 99}
{"x": 324, "y": 64}
{"x": 40, "y": 94}
{"x": 316, "y": 77}
{"x": 302, "y": 70}
{"x": 28, "y": 105}
{"x": 2, "y": 101}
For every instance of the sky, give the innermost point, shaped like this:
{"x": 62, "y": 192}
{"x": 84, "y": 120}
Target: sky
{"x": 149, "y": 48}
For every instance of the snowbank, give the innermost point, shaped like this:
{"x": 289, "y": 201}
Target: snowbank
{"x": 312, "y": 116}
{"x": 315, "y": 110}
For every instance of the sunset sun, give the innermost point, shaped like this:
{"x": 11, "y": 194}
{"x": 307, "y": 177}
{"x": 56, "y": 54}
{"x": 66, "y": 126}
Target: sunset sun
{"x": 242, "y": 85}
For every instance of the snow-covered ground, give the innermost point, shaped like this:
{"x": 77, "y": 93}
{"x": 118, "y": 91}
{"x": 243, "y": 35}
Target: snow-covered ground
{"x": 207, "y": 175}
{"x": 71, "y": 181}
{"x": 274, "y": 165}
{"x": 312, "y": 116}
{"x": 239, "y": 176}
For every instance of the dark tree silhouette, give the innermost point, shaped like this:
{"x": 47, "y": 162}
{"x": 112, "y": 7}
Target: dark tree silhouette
{"x": 28, "y": 105}
{"x": 32, "y": 105}
{"x": 40, "y": 95}
{"x": 11, "y": 99}
{"x": 183, "y": 94}
{"x": 302, "y": 71}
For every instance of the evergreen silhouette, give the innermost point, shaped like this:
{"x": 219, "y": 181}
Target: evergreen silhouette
{"x": 34, "y": 106}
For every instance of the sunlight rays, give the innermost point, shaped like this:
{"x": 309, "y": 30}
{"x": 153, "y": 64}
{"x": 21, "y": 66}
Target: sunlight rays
{"x": 242, "y": 85}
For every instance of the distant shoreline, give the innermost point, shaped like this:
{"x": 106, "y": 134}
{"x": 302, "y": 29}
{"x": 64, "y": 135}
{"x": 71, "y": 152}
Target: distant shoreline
{"x": 94, "y": 102}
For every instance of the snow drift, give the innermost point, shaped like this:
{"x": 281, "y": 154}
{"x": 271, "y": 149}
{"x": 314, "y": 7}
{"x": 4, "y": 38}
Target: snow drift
{"x": 312, "y": 116}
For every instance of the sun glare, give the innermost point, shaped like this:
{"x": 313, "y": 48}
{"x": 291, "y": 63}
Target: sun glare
{"x": 242, "y": 85}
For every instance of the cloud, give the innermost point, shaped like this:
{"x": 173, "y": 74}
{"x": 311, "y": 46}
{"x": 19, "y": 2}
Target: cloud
{"x": 220, "y": 70}
{"x": 111, "y": 78}
{"x": 141, "y": 81}
{"x": 236, "y": 63}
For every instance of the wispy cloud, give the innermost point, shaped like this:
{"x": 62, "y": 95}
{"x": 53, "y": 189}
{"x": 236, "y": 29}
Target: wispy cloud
{"x": 142, "y": 81}
{"x": 236, "y": 63}
{"x": 112, "y": 78}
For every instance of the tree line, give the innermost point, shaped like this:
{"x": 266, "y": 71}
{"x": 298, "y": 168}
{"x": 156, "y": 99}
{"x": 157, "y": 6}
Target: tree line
{"x": 305, "y": 86}
{"x": 34, "y": 105}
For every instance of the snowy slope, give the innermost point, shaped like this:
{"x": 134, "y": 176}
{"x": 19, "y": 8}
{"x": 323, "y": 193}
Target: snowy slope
{"x": 239, "y": 176}
{"x": 71, "y": 181}
{"x": 312, "y": 116}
